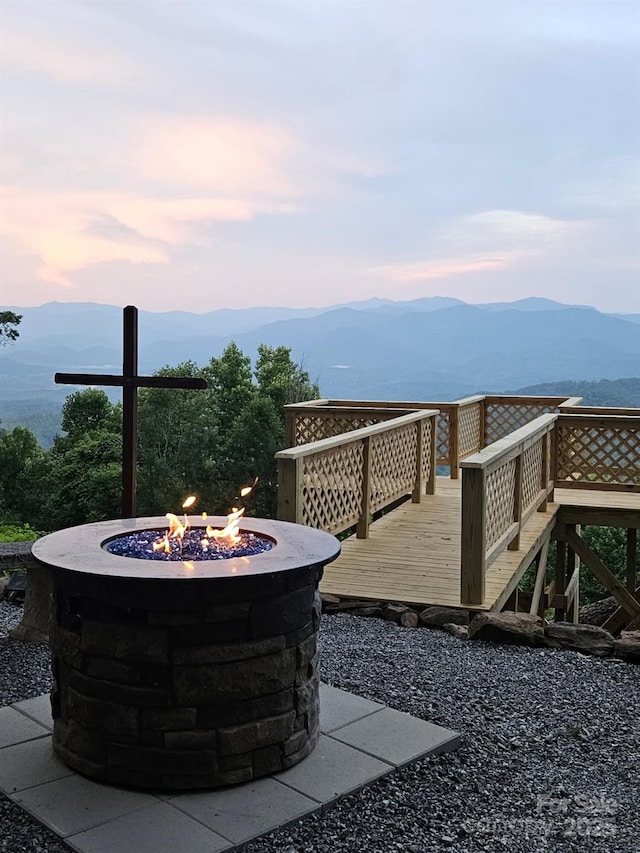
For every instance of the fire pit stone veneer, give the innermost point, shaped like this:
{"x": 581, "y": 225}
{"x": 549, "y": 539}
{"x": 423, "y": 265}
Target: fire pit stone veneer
{"x": 184, "y": 675}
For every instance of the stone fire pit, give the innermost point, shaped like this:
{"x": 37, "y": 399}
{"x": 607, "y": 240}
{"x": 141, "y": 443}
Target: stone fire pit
{"x": 184, "y": 674}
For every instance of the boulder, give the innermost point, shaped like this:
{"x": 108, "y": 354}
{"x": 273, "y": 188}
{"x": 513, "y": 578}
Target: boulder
{"x": 588, "y": 639}
{"x": 459, "y": 631}
{"x": 522, "y": 629}
{"x": 329, "y": 602}
{"x": 628, "y": 646}
{"x": 393, "y": 612}
{"x": 34, "y": 627}
{"x": 368, "y": 611}
{"x": 438, "y": 617}
{"x": 409, "y": 619}
{"x": 598, "y": 612}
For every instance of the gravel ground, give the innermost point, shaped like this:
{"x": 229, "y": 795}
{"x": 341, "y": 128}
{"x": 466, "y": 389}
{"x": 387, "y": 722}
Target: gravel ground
{"x": 550, "y": 758}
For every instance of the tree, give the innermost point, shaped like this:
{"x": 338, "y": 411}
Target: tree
{"x": 86, "y": 472}
{"x": 24, "y": 478}
{"x": 87, "y": 479}
{"x": 88, "y": 410}
{"x": 178, "y": 444}
{"x": 229, "y": 379}
{"x": 252, "y": 442}
{"x": 8, "y": 323}
{"x": 281, "y": 379}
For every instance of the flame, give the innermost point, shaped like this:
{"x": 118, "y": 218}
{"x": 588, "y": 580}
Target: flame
{"x": 176, "y": 527}
{"x": 230, "y": 533}
{"x": 245, "y": 491}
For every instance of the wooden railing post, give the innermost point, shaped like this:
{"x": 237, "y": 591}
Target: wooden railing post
{"x": 290, "y": 419}
{"x": 433, "y": 454}
{"x": 290, "y": 490}
{"x": 514, "y": 545}
{"x": 453, "y": 443}
{"x": 416, "y": 495}
{"x": 483, "y": 423}
{"x": 473, "y": 541}
{"x": 544, "y": 473}
{"x": 362, "y": 527}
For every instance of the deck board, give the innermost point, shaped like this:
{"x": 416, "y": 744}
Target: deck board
{"x": 412, "y": 554}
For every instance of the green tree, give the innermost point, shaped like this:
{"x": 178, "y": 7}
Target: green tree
{"x": 281, "y": 379}
{"x": 8, "y": 323}
{"x": 88, "y": 410}
{"x": 87, "y": 479}
{"x": 86, "y": 463}
{"x": 24, "y": 478}
{"x": 230, "y": 383}
{"x": 252, "y": 442}
{"x": 178, "y": 445}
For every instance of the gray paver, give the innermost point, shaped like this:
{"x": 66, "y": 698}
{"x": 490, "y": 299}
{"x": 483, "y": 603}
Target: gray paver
{"x": 39, "y": 709}
{"x": 28, "y": 764}
{"x": 16, "y": 728}
{"x": 338, "y": 708}
{"x": 245, "y": 812}
{"x": 73, "y": 803}
{"x": 332, "y": 770}
{"x": 366, "y": 741}
{"x": 159, "y": 828}
{"x": 396, "y": 737}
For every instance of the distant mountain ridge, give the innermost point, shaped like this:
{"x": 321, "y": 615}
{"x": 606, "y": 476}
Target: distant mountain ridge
{"x": 436, "y": 348}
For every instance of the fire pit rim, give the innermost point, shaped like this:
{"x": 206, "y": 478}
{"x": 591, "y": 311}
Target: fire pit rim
{"x": 80, "y": 549}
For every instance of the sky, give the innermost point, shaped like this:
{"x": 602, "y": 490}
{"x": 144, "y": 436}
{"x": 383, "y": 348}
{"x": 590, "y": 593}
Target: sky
{"x": 199, "y": 155}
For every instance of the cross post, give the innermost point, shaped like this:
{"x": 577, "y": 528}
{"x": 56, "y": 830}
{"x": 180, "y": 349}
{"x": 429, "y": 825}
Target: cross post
{"x": 130, "y": 382}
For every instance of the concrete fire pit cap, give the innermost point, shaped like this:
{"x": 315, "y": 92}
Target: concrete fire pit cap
{"x": 80, "y": 549}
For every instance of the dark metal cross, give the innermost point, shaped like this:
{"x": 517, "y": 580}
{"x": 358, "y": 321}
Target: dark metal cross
{"x": 129, "y": 382}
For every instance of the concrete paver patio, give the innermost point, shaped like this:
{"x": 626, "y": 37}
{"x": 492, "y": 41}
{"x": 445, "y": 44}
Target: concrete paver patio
{"x": 361, "y": 741}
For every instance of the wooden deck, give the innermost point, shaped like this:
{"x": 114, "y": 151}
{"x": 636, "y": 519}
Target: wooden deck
{"x": 412, "y": 554}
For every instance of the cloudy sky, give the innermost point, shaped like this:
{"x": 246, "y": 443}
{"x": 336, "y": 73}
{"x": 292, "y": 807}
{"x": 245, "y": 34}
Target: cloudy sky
{"x": 199, "y": 155}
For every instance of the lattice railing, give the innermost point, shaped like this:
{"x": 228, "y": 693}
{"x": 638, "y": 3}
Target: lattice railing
{"x": 319, "y": 419}
{"x": 500, "y": 501}
{"x": 504, "y": 415}
{"x": 502, "y": 486}
{"x": 596, "y": 452}
{"x": 393, "y": 465}
{"x": 470, "y": 428}
{"x": 341, "y": 481}
{"x": 332, "y": 488}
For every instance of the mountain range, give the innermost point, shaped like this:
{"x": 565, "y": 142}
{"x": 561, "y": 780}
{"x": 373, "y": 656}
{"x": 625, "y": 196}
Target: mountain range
{"x": 435, "y": 348}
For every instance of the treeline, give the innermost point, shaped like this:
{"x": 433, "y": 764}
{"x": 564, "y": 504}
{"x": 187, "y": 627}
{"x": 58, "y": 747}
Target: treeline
{"x": 206, "y": 442}
{"x": 623, "y": 393}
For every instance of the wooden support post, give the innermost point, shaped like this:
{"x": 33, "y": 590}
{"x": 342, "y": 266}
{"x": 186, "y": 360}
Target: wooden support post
{"x": 573, "y": 568}
{"x": 538, "y": 589}
{"x": 362, "y": 527}
{"x": 619, "y": 618}
{"x": 513, "y": 602}
{"x": 572, "y": 598}
{"x": 290, "y": 490}
{"x": 453, "y": 443}
{"x": 473, "y": 537}
{"x": 514, "y": 545}
{"x": 606, "y": 578}
{"x": 433, "y": 453}
{"x": 560, "y": 577}
{"x": 632, "y": 541}
{"x": 416, "y": 495}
